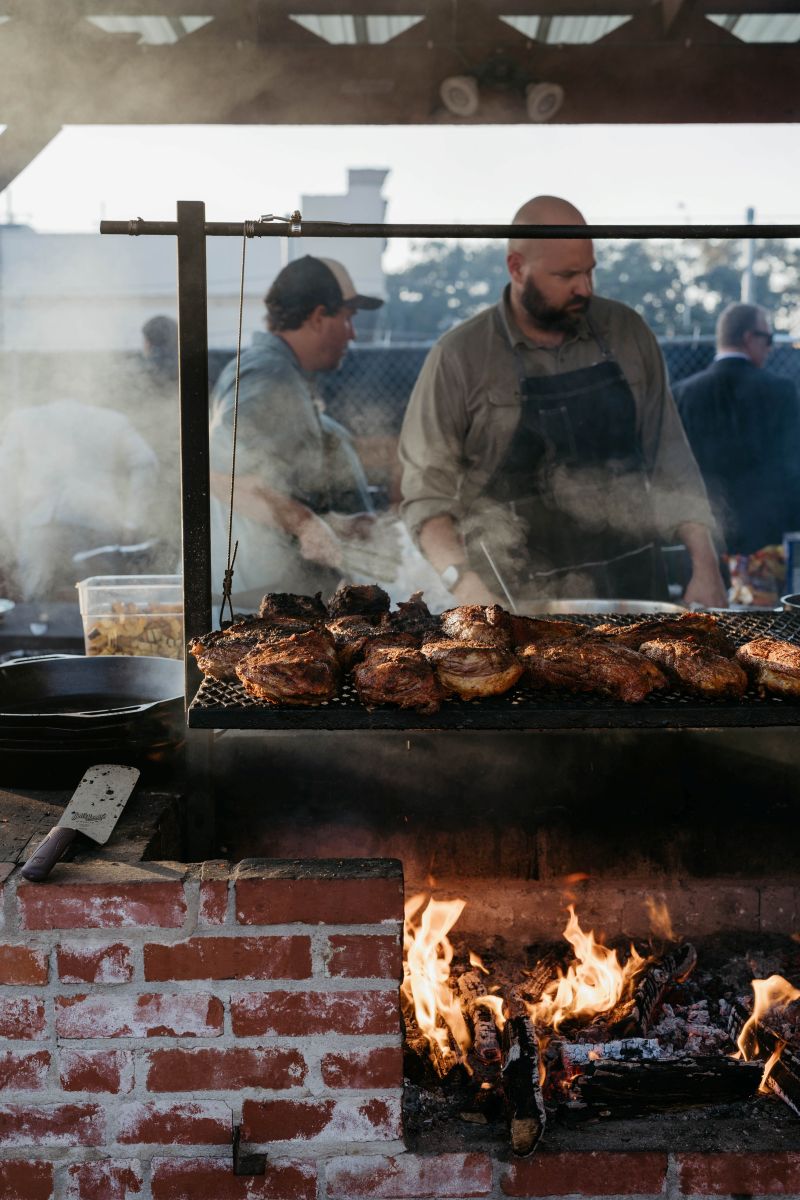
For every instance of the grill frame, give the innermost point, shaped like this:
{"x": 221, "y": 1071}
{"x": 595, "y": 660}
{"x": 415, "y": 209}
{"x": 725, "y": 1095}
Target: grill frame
{"x": 219, "y": 705}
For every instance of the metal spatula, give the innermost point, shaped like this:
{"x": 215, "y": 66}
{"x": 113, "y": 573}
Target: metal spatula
{"x": 94, "y": 809}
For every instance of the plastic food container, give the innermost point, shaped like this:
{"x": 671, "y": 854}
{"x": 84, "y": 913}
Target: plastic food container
{"x": 132, "y": 614}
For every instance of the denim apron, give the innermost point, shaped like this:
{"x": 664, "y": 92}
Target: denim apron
{"x": 575, "y": 480}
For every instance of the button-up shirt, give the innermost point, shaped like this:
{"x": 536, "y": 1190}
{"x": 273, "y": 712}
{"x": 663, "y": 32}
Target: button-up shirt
{"x": 465, "y": 408}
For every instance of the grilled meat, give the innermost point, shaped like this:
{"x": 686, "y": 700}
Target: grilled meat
{"x": 530, "y": 631}
{"x": 696, "y": 668}
{"x": 355, "y": 635}
{"x": 472, "y": 669}
{"x": 704, "y": 628}
{"x": 267, "y": 627}
{"x": 299, "y": 669}
{"x": 218, "y": 654}
{"x": 592, "y": 665}
{"x": 401, "y": 676}
{"x": 287, "y": 604}
{"x": 488, "y": 624}
{"x": 412, "y": 616}
{"x": 361, "y": 600}
{"x": 774, "y": 666}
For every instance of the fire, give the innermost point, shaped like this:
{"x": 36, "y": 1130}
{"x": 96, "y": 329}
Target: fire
{"x": 775, "y": 992}
{"x": 593, "y": 984}
{"x": 660, "y": 920}
{"x": 428, "y": 954}
{"x": 495, "y": 1007}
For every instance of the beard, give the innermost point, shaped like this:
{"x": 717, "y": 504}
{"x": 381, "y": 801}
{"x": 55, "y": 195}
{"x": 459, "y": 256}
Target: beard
{"x": 561, "y": 320}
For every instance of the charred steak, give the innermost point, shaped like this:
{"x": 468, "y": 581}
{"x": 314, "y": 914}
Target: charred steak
{"x": 533, "y": 631}
{"x": 696, "y": 668}
{"x": 592, "y": 665}
{"x": 488, "y": 624}
{"x": 299, "y": 669}
{"x": 774, "y": 666}
{"x": 287, "y": 604}
{"x": 472, "y": 669}
{"x": 704, "y": 628}
{"x": 401, "y": 676}
{"x": 360, "y": 600}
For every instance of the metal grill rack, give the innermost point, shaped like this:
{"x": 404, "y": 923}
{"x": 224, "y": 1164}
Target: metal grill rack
{"x": 227, "y": 706}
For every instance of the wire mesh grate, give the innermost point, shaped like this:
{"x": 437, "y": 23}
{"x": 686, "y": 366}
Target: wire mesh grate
{"x": 220, "y": 705}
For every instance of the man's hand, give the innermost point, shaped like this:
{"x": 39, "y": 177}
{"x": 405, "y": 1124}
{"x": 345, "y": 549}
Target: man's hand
{"x": 471, "y": 589}
{"x": 349, "y": 526}
{"x": 318, "y": 542}
{"x": 707, "y": 590}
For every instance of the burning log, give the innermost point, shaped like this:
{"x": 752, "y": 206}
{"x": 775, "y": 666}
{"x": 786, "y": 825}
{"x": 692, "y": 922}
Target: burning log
{"x": 781, "y": 1076}
{"x": 522, "y": 1085}
{"x": 443, "y": 1058}
{"x": 486, "y": 1038}
{"x": 652, "y": 985}
{"x": 652, "y": 1086}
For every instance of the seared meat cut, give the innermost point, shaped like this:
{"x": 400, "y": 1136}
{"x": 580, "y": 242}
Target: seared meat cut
{"x": 218, "y": 653}
{"x": 401, "y": 676}
{"x": 355, "y": 635}
{"x": 287, "y": 604}
{"x": 592, "y": 665}
{"x": 412, "y": 616}
{"x": 472, "y": 669}
{"x": 262, "y": 627}
{"x": 696, "y": 668}
{"x": 488, "y": 624}
{"x": 773, "y": 665}
{"x": 704, "y": 628}
{"x": 299, "y": 669}
{"x": 530, "y": 631}
{"x": 361, "y": 600}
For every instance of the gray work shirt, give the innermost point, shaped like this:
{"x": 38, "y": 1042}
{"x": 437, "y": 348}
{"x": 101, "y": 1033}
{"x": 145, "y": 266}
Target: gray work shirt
{"x": 297, "y": 450}
{"x": 465, "y": 408}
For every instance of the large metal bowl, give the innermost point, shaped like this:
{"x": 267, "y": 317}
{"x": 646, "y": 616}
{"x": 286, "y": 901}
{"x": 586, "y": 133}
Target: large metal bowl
{"x": 535, "y": 608}
{"x": 791, "y": 603}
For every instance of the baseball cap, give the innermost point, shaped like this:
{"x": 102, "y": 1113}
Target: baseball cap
{"x": 318, "y": 281}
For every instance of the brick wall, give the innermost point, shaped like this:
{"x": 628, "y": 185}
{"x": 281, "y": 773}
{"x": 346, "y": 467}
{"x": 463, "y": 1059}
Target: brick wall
{"x": 145, "y": 1010}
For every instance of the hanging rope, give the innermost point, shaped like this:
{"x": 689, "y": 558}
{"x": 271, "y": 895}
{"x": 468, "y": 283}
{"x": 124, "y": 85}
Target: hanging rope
{"x": 227, "y": 582}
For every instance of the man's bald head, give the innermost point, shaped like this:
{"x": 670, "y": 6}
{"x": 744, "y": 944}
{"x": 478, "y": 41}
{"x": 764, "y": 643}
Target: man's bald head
{"x": 551, "y": 278}
{"x": 543, "y": 210}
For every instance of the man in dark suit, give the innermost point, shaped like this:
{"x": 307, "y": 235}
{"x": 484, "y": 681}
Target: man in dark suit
{"x": 743, "y": 424}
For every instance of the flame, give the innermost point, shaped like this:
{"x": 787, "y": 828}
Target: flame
{"x": 593, "y": 984}
{"x": 660, "y": 920}
{"x": 475, "y": 960}
{"x": 768, "y": 993}
{"x": 428, "y": 954}
{"x": 495, "y": 1006}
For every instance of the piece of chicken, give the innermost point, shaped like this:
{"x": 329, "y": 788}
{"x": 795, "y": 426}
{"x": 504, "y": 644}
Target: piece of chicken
{"x": 361, "y": 600}
{"x": 534, "y": 631}
{"x": 773, "y": 665}
{"x": 704, "y": 628}
{"x": 696, "y": 668}
{"x": 401, "y": 676}
{"x": 301, "y": 669}
{"x": 488, "y": 624}
{"x": 288, "y": 604}
{"x": 592, "y": 665}
{"x": 472, "y": 669}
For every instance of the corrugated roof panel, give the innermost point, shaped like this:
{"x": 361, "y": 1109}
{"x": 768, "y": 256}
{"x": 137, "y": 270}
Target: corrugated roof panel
{"x": 338, "y": 30}
{"x": 346, "y": 29}
{"x": 529, "y": 26}
{"x": 760, "y": 27}
{"x": 153, "y": 31}
{"x": 582, "y": 30}
{"x": 383, "y": 29}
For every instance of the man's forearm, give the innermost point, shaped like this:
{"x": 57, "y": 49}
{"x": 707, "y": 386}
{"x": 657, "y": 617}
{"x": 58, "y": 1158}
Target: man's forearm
{"x": 254, "y": 500}
{"x": 441, "y": 542}
{"x": 706, "y": 585}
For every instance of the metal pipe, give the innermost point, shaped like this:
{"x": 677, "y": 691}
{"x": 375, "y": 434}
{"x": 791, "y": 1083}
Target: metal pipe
{"x": 339, "y": 229}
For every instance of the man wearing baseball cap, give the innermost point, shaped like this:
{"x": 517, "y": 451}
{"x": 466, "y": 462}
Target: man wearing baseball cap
{"x": 300, "y": 488}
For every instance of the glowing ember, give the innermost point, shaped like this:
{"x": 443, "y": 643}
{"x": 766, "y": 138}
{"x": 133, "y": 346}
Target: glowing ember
{"x": 775, "y": 992}
{"x": 428, "y": 954}
{"x": 593, "y": 984}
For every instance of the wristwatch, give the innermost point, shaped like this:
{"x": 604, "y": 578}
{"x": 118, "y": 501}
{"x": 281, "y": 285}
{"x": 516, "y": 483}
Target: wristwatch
{"x": 452, "y": 575}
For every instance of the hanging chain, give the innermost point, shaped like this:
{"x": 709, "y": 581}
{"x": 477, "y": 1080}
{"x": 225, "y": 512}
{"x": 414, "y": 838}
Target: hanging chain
{"x": 227, "y": 583}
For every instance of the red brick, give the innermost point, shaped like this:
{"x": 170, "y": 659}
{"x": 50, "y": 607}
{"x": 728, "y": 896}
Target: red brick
{"x": 102, "y": 905}
{"x": 220, "y": 1070}
{"x": 51, "y": 1125}
{"x": 20, "y": 964}
{"x": 195, "y": 1014}
{"x": 364, "y": 957}
{"x": 26, "y": 1179}
{"x": 107, "y": 1179}
{"x": 328, "y": 1120}
{"x": 595, "y": 1173}
{"x": 22, "y": 1017}
{"x": 213, "y": 902}
{"x": 25, "y": 1072}
{"x": 230, "y": 958}
{"x": 773, "y": 1174}
{"x": 407, "y": 1177}
{"x": 378, "y": 1068}
{"x": 95, "y": 964}
{"x": 213, "y": 1179}
{"x": 318, "y": 901}
{"x": 181, "y": 1123}
{"x": 96, "y": 1070}
{"x": 296, "y": 1014}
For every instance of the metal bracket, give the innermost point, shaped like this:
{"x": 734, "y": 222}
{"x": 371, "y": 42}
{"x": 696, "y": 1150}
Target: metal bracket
{"x": 246, "y": 1164}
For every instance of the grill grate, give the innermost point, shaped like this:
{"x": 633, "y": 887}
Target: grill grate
{"x": 227, "y": 706}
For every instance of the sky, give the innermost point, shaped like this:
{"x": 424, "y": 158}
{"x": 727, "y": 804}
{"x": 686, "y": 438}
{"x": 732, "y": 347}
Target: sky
{"x": 615, "y": 174}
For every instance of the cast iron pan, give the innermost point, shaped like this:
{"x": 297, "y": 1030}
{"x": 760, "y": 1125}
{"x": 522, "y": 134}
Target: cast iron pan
{"x": 98, "y": 688}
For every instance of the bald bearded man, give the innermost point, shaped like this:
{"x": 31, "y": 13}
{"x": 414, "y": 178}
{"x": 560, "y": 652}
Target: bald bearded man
{"x": 542, "y": 452}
